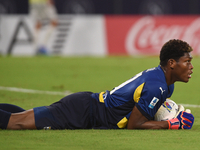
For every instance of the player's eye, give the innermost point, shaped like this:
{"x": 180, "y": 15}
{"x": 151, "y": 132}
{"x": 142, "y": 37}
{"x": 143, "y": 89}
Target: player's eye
{"x": 189, "y": 60}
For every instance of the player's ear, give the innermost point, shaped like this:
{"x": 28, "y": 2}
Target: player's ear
{"x": 171, "y": 63}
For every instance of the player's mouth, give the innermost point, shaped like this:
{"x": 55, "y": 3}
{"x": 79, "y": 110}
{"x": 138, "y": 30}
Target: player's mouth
{"x": 189, "y": 75}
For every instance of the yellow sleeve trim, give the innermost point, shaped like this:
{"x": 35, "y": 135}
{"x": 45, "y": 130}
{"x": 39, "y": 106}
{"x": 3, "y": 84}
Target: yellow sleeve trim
{"x": 137, "y": 93}
{"x": 122, "y": 123}
{"x": 101, "y": 97}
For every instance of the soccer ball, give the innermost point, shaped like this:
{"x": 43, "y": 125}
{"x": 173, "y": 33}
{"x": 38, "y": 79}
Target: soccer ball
{"x": 167, "y": 111}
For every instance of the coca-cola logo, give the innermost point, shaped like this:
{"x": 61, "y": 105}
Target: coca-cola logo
{"x": 147, "y": 35}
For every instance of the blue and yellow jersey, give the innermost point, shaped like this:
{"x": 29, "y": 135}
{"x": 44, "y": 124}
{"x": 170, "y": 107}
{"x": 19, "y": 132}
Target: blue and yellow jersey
{"x": 147, "y": 90}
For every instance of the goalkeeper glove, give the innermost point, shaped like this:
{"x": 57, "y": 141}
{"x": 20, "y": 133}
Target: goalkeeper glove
{"x": 184, "y": 120}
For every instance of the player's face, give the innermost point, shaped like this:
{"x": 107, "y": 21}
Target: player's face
{"x": 183, "y": 68}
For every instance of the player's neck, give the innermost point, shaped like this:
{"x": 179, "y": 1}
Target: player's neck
{"x": 167, "y": 75}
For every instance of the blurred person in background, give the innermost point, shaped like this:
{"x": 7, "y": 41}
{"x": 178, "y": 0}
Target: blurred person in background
{"x": 42, "y": 11}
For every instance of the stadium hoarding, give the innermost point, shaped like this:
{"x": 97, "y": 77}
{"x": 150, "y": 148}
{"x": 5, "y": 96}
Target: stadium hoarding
{"x": 75, "y": 35}
{"x": 144, "y": 35}
{"x": 16, "y": 35}
{"x": 99, "y": 35}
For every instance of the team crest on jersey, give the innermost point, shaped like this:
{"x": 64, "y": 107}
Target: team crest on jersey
{"x": 153, "y": 102}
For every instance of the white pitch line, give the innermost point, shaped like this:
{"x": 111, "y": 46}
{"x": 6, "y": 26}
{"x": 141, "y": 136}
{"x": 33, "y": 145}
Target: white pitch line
{"x": 191, "y": 105}
{"x": 14, "y": 89}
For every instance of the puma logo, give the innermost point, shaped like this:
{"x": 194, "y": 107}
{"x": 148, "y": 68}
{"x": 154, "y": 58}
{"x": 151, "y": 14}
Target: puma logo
{"x": 162, "y": 91}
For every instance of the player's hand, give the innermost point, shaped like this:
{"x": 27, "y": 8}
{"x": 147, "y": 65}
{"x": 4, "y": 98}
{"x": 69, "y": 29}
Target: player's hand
{"x": 184, "y": 120}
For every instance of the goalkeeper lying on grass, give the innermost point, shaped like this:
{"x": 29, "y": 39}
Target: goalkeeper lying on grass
{"x": 131, "y": 105}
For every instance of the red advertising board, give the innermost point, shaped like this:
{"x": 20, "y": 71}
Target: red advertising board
{"x": 145, "y": 35}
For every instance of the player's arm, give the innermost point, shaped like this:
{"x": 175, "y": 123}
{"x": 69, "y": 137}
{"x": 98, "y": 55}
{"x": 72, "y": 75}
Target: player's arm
{"x": 138, "y": 121}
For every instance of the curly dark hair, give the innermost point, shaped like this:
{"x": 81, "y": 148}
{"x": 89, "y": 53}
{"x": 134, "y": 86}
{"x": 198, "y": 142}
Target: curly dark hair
{"x": 173, "y": 49}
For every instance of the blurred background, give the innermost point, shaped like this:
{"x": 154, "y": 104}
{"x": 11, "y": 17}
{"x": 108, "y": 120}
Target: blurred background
{"x": 99, "y": 27}
{"x": 123, "y": 7}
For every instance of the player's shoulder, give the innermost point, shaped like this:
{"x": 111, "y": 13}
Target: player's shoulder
{"x": 154, "y": 76}
{"x": 159, "y": 88}
{"x": 155, "y": 80}
{"x": 155, "y": 86}
{"x": 152, "y": 72}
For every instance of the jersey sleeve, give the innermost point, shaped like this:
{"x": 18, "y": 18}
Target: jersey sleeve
{"x": 152, "y": 96}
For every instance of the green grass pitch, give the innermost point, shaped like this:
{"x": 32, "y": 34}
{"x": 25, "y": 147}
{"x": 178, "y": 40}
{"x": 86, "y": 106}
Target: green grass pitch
{"x": 94, "y": 74}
